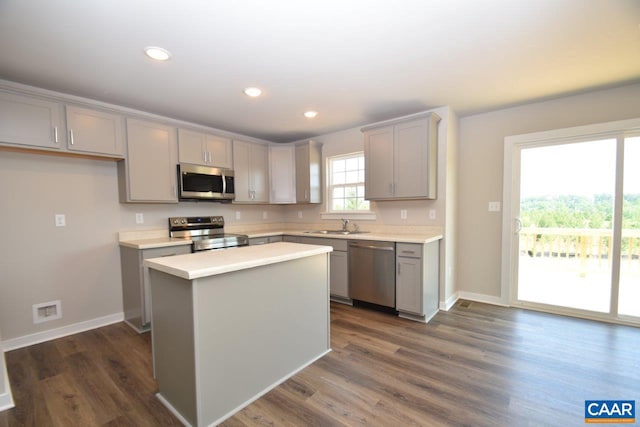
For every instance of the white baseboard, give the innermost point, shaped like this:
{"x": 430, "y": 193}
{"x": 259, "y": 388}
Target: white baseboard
{"x": 39, "y": 337}
{"x": 6, "y": 400}
{"x": 488, "y": 299}
{"x": 450, "y": 302}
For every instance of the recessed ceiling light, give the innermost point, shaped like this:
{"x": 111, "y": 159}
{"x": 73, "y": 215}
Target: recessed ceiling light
{"x": 310, "y": 114}
{"x": 157, "y": 53}
{"x": 252, "y": 92}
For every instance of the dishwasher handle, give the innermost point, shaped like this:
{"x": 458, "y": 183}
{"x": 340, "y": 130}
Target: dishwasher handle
{"x": 377, "y": 248}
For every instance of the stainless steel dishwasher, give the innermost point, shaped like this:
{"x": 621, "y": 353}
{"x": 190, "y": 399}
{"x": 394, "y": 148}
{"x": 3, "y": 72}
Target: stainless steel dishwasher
{"x": 372, "y": 272}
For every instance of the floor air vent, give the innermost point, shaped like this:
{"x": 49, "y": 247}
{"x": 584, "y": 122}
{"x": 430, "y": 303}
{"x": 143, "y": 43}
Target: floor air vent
{"x": 465, "y": 304}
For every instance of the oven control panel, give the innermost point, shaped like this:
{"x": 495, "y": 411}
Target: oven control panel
{"x": 215, "y": 221}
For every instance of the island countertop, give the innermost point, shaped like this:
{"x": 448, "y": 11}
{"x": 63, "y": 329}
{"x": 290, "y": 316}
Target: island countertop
{"x": 210, "y": 263}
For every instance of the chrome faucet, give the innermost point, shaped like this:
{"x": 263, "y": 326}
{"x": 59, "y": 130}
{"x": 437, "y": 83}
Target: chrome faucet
{"x": 345, "y": 223}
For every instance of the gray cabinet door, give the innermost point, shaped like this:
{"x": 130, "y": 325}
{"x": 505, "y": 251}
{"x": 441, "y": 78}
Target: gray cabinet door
{"x": 409, "y": 285}
{"x": 378, "y": 153}
{"x": 251, "y": 171}
{"x": 410, "y": 158}
{"x": 152, "y": 159}
{"x": 204, "y": 149}
{"x": 309, "y": 172}
{"x": 191, "y": 147}
{"x": 95, "y": 132}
{"x": 31, "y": 121}
{"x": 219, "y": 151}
{"x": 281, "y": 172}
{"x": 339, "y": 278}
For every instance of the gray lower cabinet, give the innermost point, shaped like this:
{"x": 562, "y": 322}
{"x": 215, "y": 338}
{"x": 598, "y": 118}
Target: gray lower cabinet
{"x": 417, "y": 280}
{"x": 264, "y": 240}
{"x": 136, "y": 295}
{"x": 339, "y": 277}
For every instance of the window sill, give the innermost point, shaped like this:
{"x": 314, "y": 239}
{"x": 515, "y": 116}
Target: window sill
{"x": 349, "y": 215}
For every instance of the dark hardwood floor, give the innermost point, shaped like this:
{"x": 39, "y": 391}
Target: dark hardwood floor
{"x": 476, "y": 365}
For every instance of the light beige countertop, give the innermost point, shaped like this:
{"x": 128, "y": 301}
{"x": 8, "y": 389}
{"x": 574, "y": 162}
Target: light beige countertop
{"x": 420, "y": 238}
{"x": 157, "y": 242}
{"x": 210, "y": 263}
{"x": 158, "y": 238}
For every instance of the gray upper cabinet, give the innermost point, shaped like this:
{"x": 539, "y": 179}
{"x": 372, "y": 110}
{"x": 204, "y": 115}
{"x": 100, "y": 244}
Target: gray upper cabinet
{"x": 282, "y": 174}
{"x": 95, "y": 132}
{"x": 204, "y": 149}
{"x": 309, "y": 172}
{"x": 150, "y": 169}
{"x": 251, "y": 171}
{"x": 401, "y": 158}
{"x": 31, "y": 122}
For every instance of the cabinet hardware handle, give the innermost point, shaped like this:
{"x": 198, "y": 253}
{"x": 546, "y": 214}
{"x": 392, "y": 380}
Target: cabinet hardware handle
{"x": 55, "y": 134}
{"x": 204, "y": 156}
{"x": 162, "y": 256}
{"x": 408, "y": 252}
{"x": 71, "y": 136}
{"x": 518, "y": 225}
{"x": 376, "y": 248}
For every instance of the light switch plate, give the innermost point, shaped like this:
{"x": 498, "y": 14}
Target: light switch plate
{"x": 139, "y": 218}
{"x": 265, "y": 215}
{"x": 61, "y": 220}
{"x": 238, "y": 215}
{"x": 432, "y": 214}
{"x": 403, "y": 214}
{"x": 299, "y": 214}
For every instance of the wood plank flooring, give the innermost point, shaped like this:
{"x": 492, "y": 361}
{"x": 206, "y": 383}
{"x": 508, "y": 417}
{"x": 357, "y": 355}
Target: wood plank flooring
{"x": 476, "y": 365}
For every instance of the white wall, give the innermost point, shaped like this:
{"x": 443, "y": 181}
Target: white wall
{"x": 480, "y": 172}
{"x": 78, "y": 264}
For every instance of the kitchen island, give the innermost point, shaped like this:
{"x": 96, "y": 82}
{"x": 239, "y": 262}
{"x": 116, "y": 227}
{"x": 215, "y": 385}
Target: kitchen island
{"x": 230, "y": 325}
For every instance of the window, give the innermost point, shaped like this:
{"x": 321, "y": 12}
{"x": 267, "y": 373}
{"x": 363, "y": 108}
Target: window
{"x": 346, "y": 184}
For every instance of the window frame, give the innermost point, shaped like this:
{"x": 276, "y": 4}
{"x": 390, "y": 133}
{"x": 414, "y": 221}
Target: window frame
{"x": 337, "y": 214}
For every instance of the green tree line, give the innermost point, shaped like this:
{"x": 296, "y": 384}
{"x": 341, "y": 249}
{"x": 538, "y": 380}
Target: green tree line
{"x": 572, "y": 211}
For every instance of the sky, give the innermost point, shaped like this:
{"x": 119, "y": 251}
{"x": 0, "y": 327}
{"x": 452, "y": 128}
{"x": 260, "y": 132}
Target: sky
{"x": 584, "y": 168}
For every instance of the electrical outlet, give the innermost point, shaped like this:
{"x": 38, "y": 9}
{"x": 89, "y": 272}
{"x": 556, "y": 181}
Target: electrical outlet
{"x": 494, "y": 206}
{"x": 139, "y": 218}
{"x": 265, "y": 215}
{"x": 61, "y": 220}
{"x": 299, "y": 214}
{"x": 403, "y": 214}
{"x": 432, "y": 214}
{"x": 238, "y": 215}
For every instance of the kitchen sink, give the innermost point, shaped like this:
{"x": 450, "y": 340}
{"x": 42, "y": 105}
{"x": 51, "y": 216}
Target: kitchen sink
{"x": 335, "y": 232}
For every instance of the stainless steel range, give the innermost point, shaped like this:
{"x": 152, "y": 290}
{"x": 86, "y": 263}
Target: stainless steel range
{"x": 206, "y": 232}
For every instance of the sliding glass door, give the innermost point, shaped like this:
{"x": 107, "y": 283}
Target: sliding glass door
{"x": 629, "y": 293}
{"x": 572, "y": 221}
{"x": 566, "y": 213}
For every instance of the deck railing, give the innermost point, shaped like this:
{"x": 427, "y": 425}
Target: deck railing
{"x": 583, "y": 243}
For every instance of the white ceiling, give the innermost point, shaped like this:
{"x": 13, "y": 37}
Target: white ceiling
{"x": 354, "y": 61}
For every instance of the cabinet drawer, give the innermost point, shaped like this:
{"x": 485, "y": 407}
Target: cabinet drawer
{"x": 411, "y": 250}
{"x": 166, "y": 251}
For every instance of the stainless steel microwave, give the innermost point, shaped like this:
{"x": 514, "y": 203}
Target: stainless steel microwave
{"x": 196, "y": 182}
